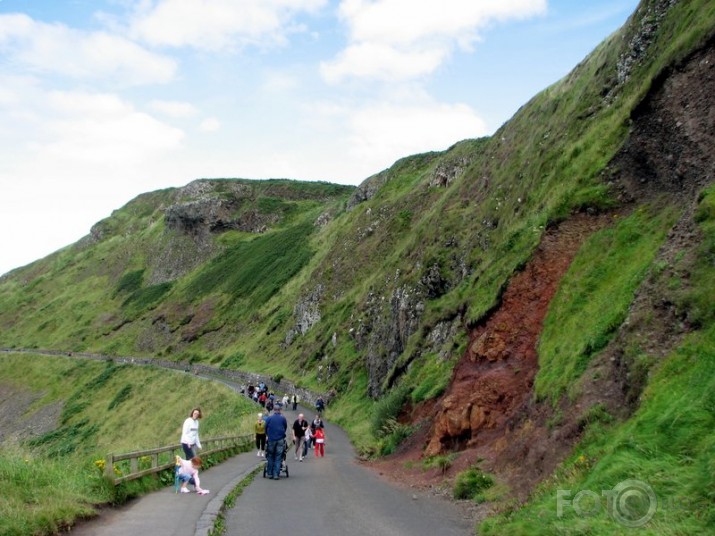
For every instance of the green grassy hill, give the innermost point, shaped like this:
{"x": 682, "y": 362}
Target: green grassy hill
{"x": 385, "y": 295}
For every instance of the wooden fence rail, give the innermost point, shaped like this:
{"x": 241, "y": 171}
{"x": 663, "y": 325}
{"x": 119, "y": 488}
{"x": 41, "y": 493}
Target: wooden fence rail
{"x": 146, "y": 462}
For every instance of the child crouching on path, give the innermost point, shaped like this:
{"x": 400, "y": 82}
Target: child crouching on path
{"x": 189, "y": 474}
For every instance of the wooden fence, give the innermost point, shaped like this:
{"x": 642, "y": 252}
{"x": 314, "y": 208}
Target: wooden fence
{"x": 123, "y": 467}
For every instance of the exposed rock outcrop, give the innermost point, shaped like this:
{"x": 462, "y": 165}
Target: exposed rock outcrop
{"x": 306, "y": 314}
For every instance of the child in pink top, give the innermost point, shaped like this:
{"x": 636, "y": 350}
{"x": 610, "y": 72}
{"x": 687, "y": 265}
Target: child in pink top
{"x": 189, "y": 474}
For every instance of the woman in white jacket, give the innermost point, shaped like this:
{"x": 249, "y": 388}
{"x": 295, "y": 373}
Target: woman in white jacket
{"x": 190, "y": 433}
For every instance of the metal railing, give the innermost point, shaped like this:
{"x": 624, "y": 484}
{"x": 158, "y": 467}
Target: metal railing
{"x": 132, "y": 465}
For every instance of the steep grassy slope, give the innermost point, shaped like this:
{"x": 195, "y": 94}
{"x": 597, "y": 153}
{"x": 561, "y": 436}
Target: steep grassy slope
{"x": 381, "y": 295}
{"x": 190, "y": 260}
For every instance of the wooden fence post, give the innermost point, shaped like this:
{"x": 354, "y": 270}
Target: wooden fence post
{"x": 109, "y": 466}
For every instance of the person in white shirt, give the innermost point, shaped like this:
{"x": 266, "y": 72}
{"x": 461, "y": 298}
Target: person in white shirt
{"x": 190, "y": 433}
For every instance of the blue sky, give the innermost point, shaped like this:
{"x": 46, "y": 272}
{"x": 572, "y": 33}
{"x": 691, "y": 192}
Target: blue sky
{"x": 101, "y": 100}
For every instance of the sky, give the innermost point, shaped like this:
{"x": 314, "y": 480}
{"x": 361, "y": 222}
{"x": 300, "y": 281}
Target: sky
{"x": 102, "y": 100}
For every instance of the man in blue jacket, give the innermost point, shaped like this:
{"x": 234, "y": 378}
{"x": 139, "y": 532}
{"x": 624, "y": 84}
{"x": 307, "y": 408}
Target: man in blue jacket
{"x": 276, "y": 426}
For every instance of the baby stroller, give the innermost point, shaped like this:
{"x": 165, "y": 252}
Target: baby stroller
{"x": 284, "y": 465}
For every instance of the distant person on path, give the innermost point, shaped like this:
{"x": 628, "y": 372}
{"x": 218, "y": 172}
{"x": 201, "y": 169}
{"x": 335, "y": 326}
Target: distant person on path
{"x": 295, "y": 402}
{"x": 320, "y": 405}
{"x": 276, "y": 427}
{"x": 189, "y": 474}
{"x": 299, "y": 426}
{"x": 260, "y": 429}
{"x": 190, "y": 433}
{"x": 319, "y": 442}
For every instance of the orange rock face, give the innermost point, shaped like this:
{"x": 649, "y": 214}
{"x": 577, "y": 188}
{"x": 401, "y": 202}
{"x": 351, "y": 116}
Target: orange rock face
{"x": 494, "y": 378}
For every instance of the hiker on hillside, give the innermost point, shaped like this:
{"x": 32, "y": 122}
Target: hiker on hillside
{"x": 260, "y": 429}
{"x": 189, "y": 474}
{"x": 299, "y": 427}
{"x": 190, "y": 433}
{"x": 276, "y": 427}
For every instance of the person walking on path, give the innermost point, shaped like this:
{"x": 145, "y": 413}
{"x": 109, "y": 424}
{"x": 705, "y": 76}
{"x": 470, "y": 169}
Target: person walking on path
{"x": 189, "y": 474}
{"x": 260, "y": 429}
{"x": 320, "y": 405}
{"x": 319, "y": 441}
{"x": 190, "y": 433}
{"x": 295, "y": 402}
{"x": 317, "y": 423}
{"x": 307, "y": 439}
{"x": 276, "y": 427}
{"x": 299, "y": 426}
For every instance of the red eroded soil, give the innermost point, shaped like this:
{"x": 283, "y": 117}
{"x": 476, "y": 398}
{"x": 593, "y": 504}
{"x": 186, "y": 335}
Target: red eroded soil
{"x": 493, "y": 381}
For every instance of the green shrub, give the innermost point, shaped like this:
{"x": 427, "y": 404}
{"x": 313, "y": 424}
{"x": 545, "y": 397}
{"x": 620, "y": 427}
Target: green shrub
{"x": 387, "y": 408}
{"x": 442, "y": 461}
{"x": 234, "y": 361}
{"x": 130, "y": 282}
{"x": 393, "y": 433}
{"x": 120, "y": 397}
{"x": 471, "y": 483}
{"x": 103, "y": 377}
{"x": 144, "y": 298}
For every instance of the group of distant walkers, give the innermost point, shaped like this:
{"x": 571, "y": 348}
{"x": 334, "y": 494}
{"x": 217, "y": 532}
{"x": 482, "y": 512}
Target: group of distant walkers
{"x": 270, "y": 434}
{"x": 271, "y": 431}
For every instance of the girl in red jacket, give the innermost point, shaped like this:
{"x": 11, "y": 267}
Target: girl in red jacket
{"x": 319, "y": 438}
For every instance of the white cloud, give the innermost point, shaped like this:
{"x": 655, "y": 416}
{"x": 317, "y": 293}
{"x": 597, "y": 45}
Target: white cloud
{"x": 407, "y": 121}
{"x": 175, "y": 109}
{"x": 385, "y": 132}
{"x": 103, "y": 129}
{"x": 277, "y": 82}
{"x": 382, "y": 62}
{"x": 210, "y": 124}
{"x": 218, "y": 24}
{"x": 385, "y": 33}
{"x": 54, "y": 48}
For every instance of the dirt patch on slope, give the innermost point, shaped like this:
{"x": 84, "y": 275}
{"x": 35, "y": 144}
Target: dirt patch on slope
{"x": 492, "y": 383}
{"x": 18, "y": 421}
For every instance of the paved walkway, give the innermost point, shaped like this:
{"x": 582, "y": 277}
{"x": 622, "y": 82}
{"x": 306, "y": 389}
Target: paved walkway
{"x": 165, "y": 513}
{"x": 331, "y": 495}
